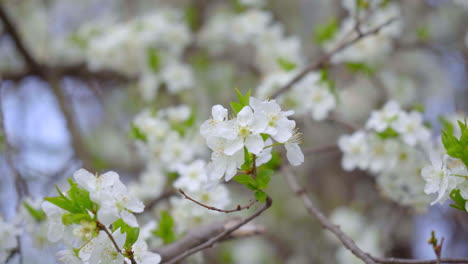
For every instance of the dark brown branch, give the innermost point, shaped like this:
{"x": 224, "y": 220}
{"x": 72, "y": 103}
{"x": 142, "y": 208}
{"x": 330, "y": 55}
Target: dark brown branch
{"x": 213, "y": 240}
{"x": 203, "y": 233}
{"x": 345, "y": 239}
{"x": 10, "y": 28}
{"x": 238, "y": 207}
{"x": 323, "y": 60}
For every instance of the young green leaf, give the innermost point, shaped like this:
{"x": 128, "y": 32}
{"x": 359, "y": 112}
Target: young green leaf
{"x": 154, "y": 60}
{"x": 166, "y": 228}
{"x": 326, "y": 31}
{"x": 286, "y": 65}
{"x": 136, "y": 134}
{"x": 132, "y": 232}
{"x": 260, "y": 196}
{"x": 37, "y": 214}
{"x": 263, "y": 178}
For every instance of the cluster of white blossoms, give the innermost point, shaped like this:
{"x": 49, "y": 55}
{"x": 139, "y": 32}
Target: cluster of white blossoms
{"x": 254, "y": 27}
{"x": 366, "y": 235}
{"x": 447, "y": 173}
{"x": 371, "y": 48}
{"x": 279, "y": 58}
{"x": 81, "y": 216}
{"x": 253, "y": 128}
{"x": 169, "y": 141}
{"x": 8, "y": 239}
{"x": 312, "y": 95}
{"x": 394, "y": 148}
{"x": 148, "y": 47}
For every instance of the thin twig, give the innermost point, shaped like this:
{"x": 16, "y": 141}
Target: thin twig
{"x": 164, "y": 196}
{"x": 323, "y": 60}
{"x": 111, "y": 237}
{"x": 222, "y": 235}
{"x": 203, "y": 233}
{"x": 315, "y": 211}
{"x": 238, "y": 208}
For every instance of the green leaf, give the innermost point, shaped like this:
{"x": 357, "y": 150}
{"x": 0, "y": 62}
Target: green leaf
{"x": 136, "y": 134}
{"x": 192, "y": 17}
{"x": 364, "y": 4}
{"x": 70, "y": 218}
{"x": 248, "y": 160}
{"x": 165, "y": 228}
{"x": 458, "y": 199}
{"x": 37, "y": 214}
{"x": 236, "y": 107}
{"x": 286, "y": 65}
{"x": 154, "y": 62}
{"x": 263, "y": 178}
{"x": 132, "y": 232}
{"x": 247, "y": 180}
{"x": 63, "y": 202}
{"x": 260, "y": 196}
{"x": 326, "y": 31}
{"x": 325, "y": 79}
{"x": 80, "y": 197}
{"x": 388, "y": 133}
{"x": 359, "y": 67}
{"x": 423, "y": 33}
{"x": 243, "y": 99}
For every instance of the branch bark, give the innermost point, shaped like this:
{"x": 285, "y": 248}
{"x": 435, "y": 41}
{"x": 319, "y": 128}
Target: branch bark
{"x": 345, "y": 239}
{"x": 183, "y": 251}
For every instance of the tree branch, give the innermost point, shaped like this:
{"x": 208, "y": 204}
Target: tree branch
{"x": 323, "y": 60}
{"x": 203, "y": 233}
{"x": 345, "y": 239}
{"x": 238, "y": 207}
{"x": 221, "y": 236}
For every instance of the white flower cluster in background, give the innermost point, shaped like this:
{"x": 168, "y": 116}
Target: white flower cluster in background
{"x": 8, "y": 239}
{"x": 394, "y": 149}
{"x": 312, "y": 95}
{"x": 171, "y": 144}
{"x": 148, "y": 47}
{"x": 371, "y": 48}
{"x": 78, "y": 217}
{"x": 253, "y": 27}
{"x": 167, "y": 139}
{"x": 366, "y": 235}
{"x": 254, "y": 127}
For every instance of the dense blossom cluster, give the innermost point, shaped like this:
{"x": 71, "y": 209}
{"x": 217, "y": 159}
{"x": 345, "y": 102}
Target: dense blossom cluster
{"x": 169, "y": 141}
{"x": 394, "y": 148}
{"x": 254, "y": 127}
{"x": 94, "y": 217}
{"x": 82, "y": 216}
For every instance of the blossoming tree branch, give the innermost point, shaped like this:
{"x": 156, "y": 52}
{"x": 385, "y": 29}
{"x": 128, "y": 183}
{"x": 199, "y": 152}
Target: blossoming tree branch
{"x": 185, "y": 174}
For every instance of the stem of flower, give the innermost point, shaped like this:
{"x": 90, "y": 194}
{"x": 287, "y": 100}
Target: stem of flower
{"x": 238, "y": 208}
{"x": 109, "y": 234}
